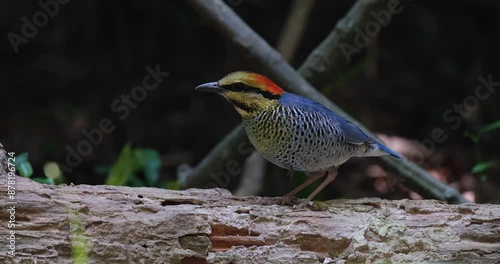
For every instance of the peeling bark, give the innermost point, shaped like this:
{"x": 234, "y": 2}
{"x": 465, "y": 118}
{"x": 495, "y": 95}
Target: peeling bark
{"x": 150, "y": 225}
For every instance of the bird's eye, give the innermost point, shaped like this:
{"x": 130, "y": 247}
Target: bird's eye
{"x": 237, "y": 87}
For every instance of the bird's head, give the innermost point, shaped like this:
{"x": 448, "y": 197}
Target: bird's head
{"x": 249, "y": 92}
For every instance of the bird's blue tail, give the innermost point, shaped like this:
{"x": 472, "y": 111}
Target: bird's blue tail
{"x": 388, "y": 150}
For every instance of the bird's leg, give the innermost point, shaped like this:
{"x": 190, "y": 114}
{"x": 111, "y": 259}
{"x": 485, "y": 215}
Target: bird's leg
{"x": 332, "y": 173}
{"x": 288, "y": 197}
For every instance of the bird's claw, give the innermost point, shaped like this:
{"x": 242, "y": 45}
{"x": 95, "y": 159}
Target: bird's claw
{"x": 301, "y": 205}
{"x": 286, "y": 200}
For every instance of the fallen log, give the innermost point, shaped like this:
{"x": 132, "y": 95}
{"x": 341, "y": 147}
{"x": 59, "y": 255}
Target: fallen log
{"x": 150, "y": 225}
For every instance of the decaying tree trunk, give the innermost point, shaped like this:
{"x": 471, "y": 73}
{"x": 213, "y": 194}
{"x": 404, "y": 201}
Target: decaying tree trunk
{"x": 150, "y": 225}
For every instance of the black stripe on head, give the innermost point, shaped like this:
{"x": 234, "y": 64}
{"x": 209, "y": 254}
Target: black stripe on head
{"x": 236, "y": 87}
{"x": 241, "y": 87}
{"x": 242, "y": 106}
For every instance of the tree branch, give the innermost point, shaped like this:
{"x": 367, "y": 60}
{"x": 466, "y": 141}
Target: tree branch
{"x": 223, "y": 19}
{"x": 327, "y": 61}
{"x": 292, "y": 33}
{"x": 215, "y": 163}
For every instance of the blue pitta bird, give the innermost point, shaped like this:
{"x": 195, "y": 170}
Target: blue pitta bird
{"x": 292, "y": 131}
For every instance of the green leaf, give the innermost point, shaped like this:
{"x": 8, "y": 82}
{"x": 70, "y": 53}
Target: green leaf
{"x": 123, "y": 167}
{"x": 473, "y": 136}
{"x": 149, "y": 161}
{"x": 134, "y": 181}
{"x": 23, "y": 165}
{"x": 52, "y": 171}
{"x": 104, "y": 170}
{"x": 173, "y": 185}
{"x": 483, "y": 177}
{"x": 131, "y": 161}
{"x": 484, "y": 166}
{"x": 44, "y": 180}
{"x": 490, "y": 127}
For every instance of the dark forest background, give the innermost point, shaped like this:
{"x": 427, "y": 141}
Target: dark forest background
{"x": 403, "y": 85}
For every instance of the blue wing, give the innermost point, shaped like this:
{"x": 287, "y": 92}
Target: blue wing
{"x": 353, "y": 134}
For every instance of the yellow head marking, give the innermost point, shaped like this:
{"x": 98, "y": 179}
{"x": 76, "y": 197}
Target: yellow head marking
{"x": 250, "y": 92}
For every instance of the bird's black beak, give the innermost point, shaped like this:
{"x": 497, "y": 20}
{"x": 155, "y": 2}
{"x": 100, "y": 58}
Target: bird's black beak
{"x": 211, "y": 87}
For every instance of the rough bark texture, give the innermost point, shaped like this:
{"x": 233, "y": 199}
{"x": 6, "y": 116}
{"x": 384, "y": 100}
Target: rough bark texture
{"x": 150, "y": 225}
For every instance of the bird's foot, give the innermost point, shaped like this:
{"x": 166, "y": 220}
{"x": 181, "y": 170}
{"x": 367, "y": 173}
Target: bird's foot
{"x": 294, "y": 202}
{"x": 302, "y": 204}
{"x": 287, "y": 200}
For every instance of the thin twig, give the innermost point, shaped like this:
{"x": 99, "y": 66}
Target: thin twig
{"x": 295, "y": 24}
